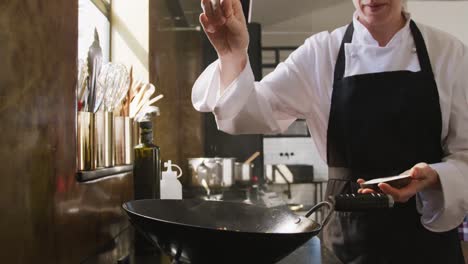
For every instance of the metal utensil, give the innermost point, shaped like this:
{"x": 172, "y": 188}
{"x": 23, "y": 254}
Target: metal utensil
{"x": 110, "y": 82}
{"x": 94, "y": 69}
{"x": 206, "y": 171}
{"x": 398, "y": 182}
{"x": 102, "y": 85}
{"x": 243, "y": 173}
{"x": 123, "y": 81}
{"x": 115, "y": 79}
{"x": 117, "y": 82}
{"x": 81, "y": 83}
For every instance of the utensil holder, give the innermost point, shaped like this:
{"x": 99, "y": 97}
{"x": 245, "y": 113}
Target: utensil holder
{"x": 136, "y": 138}
{"x": 108, "y": 139}
{"x": 123, "y": 140}
{"x": 86, "y": 151}
{"x": 103, "y": 138}
{"x": 128, "y": 146}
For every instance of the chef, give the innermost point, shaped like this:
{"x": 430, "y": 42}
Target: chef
{"x": 382, "y": 96}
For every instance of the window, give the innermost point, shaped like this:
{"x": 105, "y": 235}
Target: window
{"x": 93, "y": 14}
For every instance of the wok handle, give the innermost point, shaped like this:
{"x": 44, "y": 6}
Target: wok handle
{"x": 362, "y": 202}
{"x": 318, "y": 206}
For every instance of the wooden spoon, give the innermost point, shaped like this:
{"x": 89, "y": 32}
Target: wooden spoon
{"x": 252, "y": 158}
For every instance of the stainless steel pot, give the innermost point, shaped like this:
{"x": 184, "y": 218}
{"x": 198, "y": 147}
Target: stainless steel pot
{"x": 211, "y": 172}
{"x": 243, "y": 172}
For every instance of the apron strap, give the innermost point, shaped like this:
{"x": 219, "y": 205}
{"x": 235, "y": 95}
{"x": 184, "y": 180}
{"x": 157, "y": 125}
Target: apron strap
{"x": 421, "y": 49}
{"x": 341, "y": 60}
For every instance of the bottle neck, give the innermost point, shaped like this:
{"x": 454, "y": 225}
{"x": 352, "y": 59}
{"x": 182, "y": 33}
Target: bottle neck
{"x": 147, "y": 137}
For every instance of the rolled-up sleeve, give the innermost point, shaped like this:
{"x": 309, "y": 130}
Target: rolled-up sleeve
{"x": 268, "y": 106}
{"x": 444, "y": 210}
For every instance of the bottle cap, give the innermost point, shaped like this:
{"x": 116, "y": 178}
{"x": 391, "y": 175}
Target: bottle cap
{"x": 146, "y": 121}
{"x": 146, "y": 125}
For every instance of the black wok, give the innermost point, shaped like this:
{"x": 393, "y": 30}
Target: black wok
{"x": 198, "y": 231}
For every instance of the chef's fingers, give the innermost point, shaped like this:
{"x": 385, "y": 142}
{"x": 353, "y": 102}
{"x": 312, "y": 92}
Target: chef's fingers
{"x": 211, "y": 32}
{"x": 206, "y": 18}
{"x": 395, "y": 193}
{"x": 363, "y": 190}
{"x": 229, "y": 7}
{"x": 400, "y": 195}
{"x": 359, "y": 181}
{"x": 207, "y": 26}
{"x": 226, "y": 8}
{"x": 234, "y": 15}
{"x": 207, "y": 8}
{"x": 418, "y": 172}
{"x": 426, "y": 176}
{"x": 366, "y": 191}
{"x": 213, "y": 12}
{"x": 218, "y": 15}
{"x": 236, "y": 8}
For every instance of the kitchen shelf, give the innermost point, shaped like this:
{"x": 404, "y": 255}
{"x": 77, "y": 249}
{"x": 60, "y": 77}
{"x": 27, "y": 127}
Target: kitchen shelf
{"x": 85, "y": 176}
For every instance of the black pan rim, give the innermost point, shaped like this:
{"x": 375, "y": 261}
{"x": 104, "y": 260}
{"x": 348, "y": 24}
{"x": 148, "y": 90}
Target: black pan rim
{"x": 129, "y": 212}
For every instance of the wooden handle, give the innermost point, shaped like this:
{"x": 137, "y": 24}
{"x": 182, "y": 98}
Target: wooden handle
{"x": 254, "y": 156}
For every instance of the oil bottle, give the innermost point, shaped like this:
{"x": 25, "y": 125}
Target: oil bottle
{"x": 146, "y": 177}
{"x": 147, "y": 164}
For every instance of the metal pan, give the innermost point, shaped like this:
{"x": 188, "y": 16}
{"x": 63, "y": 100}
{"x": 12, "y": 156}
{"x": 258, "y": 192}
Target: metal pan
{"x": 196, "y": 231}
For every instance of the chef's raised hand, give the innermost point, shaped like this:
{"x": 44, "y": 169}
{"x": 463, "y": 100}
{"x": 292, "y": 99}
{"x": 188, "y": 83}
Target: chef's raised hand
{"x": 423, "y": 177}
{"x": 225, "y": 26}
{"x": 226, "y": 29}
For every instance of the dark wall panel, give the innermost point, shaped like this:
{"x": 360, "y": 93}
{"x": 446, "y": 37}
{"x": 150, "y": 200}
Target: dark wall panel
{"x": 46, "y": 216}
{"x": 175, "y": 63}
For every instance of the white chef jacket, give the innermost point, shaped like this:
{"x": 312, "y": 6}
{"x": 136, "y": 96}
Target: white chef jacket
{"x": 301, "y": 87}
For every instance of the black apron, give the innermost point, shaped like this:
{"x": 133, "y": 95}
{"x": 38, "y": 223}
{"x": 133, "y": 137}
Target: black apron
{"x": 382, "y": 124}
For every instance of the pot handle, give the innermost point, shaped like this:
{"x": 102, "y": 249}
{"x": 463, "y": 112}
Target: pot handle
{"x": 318, "y": 206}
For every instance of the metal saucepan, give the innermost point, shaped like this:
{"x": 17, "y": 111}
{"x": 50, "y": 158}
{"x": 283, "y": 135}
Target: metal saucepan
{"x": 243, "y": 172}
{"x": 196, "y": 231}
{"x": 211, "y": 172}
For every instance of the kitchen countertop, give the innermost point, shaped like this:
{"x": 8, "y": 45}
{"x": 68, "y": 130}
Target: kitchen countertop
{"x": 310, "y": 252}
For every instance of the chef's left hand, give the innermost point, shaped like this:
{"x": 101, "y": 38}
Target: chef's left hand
{"x": 423, "y": 177}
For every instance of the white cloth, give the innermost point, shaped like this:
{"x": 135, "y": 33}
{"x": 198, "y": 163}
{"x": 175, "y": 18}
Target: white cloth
{"x": 301, "y": 87}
